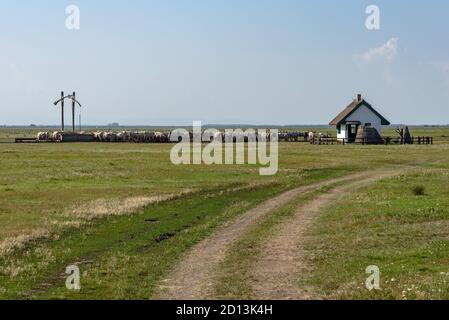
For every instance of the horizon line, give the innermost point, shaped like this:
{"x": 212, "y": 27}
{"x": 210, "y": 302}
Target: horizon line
{"x": 204, "y": 125}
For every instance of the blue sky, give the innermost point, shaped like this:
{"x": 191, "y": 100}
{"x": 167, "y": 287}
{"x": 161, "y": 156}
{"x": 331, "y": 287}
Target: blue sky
{"x": 171, "y": 62}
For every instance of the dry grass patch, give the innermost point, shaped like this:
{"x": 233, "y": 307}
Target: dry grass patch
{"x": 11, "y": 244}
{"x": 81, "y": 214}
{"x": 101, "y": 208}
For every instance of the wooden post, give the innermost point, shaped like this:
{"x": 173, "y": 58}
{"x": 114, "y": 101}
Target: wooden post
{"x": 62, "y": 111}
{"x": 73, "y": 112}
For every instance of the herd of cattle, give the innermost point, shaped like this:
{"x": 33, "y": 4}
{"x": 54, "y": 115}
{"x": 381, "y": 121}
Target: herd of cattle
{"x": 109, "y": 136}
{"x": 163, "y": 137}
{"x": 132, "y": 136}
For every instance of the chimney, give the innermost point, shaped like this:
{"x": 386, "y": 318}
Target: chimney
{"x": 359, "y": 97}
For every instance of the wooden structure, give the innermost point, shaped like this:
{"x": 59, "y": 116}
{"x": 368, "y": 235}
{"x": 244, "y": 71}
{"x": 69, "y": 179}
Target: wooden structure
{"x": 365, "y": 141}
{"x": 368, "y": 135}
{"x": 74, "y": 102}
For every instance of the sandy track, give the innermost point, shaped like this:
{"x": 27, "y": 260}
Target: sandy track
{"x": 193, "y": 278}
{"x": 277, "y": 271}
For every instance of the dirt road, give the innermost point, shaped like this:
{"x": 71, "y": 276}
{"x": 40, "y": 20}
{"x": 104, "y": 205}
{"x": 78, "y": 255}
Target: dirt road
{"x": 193, "y": 277}
{"x": 276, "y": 272}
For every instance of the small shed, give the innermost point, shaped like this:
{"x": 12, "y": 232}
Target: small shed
{"x": 357, "y": 114}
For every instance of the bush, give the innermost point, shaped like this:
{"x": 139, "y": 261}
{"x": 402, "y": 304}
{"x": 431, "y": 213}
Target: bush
{"x": 418, "y": 190}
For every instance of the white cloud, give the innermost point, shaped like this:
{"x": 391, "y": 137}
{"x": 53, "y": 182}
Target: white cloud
{"x": 386, "y": 52}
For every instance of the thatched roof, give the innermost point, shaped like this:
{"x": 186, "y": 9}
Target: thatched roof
{"x": 351, "y": 108}
{"x": 369, "y": 135}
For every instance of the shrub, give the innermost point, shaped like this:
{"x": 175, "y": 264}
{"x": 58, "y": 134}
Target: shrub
{"x": 418, "y": 190}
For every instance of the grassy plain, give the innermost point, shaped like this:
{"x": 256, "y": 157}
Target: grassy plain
{"x": 390, "y": 225}
{"x": 125, "y": 214}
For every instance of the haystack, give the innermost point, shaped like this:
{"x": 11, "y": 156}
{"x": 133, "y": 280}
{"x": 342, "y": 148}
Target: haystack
{"x": 368, "y": 135}
{"x": 407, "y": 138}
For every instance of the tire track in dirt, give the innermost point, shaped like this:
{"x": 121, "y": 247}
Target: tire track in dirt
{"x": 276, "y": 272}
{"x": 193, "y": 277}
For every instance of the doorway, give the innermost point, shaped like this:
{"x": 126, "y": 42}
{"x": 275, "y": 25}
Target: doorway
{"x": 352, "y": 132}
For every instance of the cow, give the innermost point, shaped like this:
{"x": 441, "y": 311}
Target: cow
{"x": 218, "y": 136}
{"x": 158, "y": 137}
{"x": 283, "y": 136}
{"x": 149, "y": 137}
{"x": 109, "y": 136}
{"x": 43, "y": 136}
{"x": 123, "y": 136}
{"x": 97, "y": 136}
{"x": 165, "y": 137}
{"x": 311, "y": 136}
{"x": 57, "y": 136}
{"x": 134, "y": 136}
{"x": 324, "y": 135}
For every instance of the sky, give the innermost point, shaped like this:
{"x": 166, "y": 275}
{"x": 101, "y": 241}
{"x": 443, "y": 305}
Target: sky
{"x": 170, "y": 62}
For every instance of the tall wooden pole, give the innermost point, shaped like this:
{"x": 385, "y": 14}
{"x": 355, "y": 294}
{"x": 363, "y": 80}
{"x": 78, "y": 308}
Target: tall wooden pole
{"x": 62, "y": 111}
{"x": 73, "y": 112}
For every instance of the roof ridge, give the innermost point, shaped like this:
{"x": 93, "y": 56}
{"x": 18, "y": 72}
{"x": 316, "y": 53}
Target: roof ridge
{"x": 354, "y": 105}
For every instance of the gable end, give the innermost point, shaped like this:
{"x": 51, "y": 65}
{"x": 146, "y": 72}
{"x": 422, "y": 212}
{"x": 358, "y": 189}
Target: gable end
{"x": 352, "y": 108}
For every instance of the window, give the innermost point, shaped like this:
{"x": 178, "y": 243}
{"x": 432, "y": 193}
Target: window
{"x": 352, "y": 129}
{"x": 339, "y": 128}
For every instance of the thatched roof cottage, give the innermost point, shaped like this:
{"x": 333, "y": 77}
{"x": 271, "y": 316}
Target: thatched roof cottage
{"x": 358, "y": 114}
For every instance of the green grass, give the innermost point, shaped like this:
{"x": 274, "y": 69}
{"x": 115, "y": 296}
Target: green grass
{"x": 123, "y": 257}
{"x": 40, "y": 185}
{"x": 388, "y": 225}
